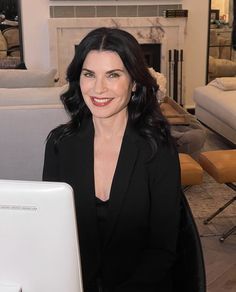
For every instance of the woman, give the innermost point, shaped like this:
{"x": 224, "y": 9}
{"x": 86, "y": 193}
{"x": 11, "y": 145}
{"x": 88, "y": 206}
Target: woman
{"x": 117, "y": 154}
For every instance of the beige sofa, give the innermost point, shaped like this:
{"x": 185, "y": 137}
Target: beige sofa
{"x": 27, "y": 114}
{"x": 216, "y": 106}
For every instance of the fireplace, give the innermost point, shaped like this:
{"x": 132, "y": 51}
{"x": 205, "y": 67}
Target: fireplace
{"x": 156, "y": 35}
{"x": 152, "y": 54}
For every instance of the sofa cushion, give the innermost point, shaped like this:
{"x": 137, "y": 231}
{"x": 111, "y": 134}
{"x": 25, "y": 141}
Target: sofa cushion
{"x": 30, "y": 96}
{"x": 221, "y": 104}
{"x": 10, "y": 78}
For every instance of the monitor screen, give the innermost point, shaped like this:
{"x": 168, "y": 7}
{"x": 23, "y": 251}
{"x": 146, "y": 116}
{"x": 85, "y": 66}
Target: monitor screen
{"x": 39, "y": 249}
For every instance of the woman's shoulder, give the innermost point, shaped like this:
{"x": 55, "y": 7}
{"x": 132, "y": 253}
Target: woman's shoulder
{"x": 55, "y": 134}
{"x": 68, "y": 133}
{"x": 166, "y": 155}
{"x": 60, "y": 135}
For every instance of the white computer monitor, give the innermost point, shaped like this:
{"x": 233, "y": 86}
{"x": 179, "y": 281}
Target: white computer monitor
{"x": 39, "y": 249}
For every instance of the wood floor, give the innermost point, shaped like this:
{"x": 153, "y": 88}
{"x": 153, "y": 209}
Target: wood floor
{"x": 220, "y": 258}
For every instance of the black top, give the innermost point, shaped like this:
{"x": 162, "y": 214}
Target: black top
{"x": 139, "y": 250}
{"x": 102, "y": 212}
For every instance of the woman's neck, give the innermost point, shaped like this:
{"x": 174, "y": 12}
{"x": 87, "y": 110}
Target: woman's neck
{"x": 108, "y": 128}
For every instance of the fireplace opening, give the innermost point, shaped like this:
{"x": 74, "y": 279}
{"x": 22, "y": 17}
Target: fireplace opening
{"x": 152, "y": 54}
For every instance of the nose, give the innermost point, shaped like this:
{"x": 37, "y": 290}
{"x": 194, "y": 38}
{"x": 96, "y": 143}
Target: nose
{"x": 100, "y": 85}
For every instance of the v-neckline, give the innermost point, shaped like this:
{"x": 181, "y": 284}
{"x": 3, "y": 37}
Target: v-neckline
{"x": 115, "y": 169}
{"x": 84, "y": 178}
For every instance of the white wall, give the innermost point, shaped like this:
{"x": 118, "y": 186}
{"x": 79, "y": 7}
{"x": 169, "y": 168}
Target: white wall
{"x": 35, "y": 14}
{"x": 195, "y": 50}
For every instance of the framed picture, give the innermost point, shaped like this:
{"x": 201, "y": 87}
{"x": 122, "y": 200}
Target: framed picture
{"x": 215, "y": 14}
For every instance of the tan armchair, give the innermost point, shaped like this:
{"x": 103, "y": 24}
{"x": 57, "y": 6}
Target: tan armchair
{"x": 221, "y": 68}
{"x": 9, "y": 47}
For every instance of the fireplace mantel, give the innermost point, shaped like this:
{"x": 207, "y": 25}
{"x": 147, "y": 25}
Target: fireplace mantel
{"x": 65, "y": 33}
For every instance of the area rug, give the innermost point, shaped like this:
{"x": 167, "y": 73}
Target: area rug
{"x": 206, "y": 198}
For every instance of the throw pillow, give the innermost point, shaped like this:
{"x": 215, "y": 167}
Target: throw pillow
{"x": 224, "y": 83}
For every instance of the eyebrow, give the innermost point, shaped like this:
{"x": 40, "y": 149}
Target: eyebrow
{"x": 108, "y": 72}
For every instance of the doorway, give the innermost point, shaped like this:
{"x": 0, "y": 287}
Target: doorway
{"x": 11, "y": 45}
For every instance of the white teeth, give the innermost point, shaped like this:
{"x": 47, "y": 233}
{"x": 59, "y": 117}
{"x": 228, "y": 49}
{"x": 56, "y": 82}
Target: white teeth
{"x": 101, "y": 100}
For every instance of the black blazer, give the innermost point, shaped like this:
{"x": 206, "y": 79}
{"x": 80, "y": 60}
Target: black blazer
{"x": 144, "y": 211}
{"x": 189, "y": 269}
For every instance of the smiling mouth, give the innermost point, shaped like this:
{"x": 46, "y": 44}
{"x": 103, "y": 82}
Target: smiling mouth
{"x": 100, "y": 101}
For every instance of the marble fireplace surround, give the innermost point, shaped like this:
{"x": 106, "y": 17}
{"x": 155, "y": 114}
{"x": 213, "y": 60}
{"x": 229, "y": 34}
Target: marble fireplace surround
{"x": 65, "y": 33}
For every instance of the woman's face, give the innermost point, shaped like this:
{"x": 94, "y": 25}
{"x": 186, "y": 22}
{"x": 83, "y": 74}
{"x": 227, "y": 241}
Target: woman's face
{"x": 105, "y": 84}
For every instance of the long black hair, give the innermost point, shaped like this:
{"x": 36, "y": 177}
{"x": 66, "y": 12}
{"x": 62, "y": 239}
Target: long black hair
{"x": 143, "y": 109}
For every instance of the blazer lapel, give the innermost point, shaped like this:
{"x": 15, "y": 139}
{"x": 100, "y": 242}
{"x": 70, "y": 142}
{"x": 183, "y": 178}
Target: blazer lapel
{"x": 121, "y": 179}
{"x": 83, "y": 160}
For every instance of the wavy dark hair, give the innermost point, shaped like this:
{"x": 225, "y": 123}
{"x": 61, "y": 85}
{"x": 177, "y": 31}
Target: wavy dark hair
{"x": 143, "y": 109}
